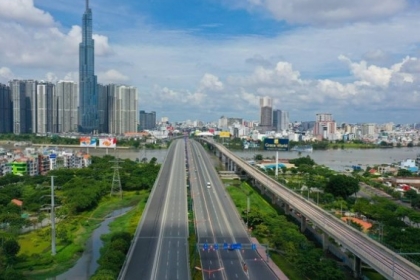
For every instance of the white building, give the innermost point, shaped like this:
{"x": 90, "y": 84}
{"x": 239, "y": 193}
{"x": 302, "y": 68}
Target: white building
{"x": 45, "y": 96}
{"x": 67, "y": 104}
{"x": 123, "y": 109}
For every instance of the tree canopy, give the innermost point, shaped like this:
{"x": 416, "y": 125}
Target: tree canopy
{"x": 342, "y": 186}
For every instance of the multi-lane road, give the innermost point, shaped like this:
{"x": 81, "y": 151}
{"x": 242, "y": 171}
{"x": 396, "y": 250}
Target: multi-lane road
{"x": 217, "y": 222}
{"x": 160, "y": 246}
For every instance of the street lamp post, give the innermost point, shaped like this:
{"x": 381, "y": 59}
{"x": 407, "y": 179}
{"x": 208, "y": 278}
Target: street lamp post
{"x": 247, "y": 211}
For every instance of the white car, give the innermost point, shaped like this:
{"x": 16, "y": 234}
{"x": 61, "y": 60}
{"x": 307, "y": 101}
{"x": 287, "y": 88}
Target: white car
{"x": 208, "y": 185}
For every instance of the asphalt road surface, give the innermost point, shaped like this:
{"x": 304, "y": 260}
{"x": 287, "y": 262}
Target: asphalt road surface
{"x": 217, "y": 221}
{"x": 160, "y": 247}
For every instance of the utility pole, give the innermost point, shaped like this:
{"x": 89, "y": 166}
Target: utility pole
{"x": 53, "y": 251}
{"x": 247, "y": 211}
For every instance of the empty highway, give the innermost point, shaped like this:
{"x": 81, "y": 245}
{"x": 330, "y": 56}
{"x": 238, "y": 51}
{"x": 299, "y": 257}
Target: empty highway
{"x": 217, "y": 221}
{"x": 160, "y": 248}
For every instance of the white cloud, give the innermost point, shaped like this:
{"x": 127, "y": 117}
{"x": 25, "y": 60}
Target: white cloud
{"x": 326, "y": 11}
{"x": 24, "y": 11}
{"x": 211, "y": 82}
{"x": 6, "y": 74}
{"x": 369, "y": 75}
{"x": 51, "y": 77}
{"x": 112, "y": 76}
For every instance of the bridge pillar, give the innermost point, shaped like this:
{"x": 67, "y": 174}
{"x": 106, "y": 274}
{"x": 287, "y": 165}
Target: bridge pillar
{"x": 357, "y": 265}
{"x": 235, "y": 167}
{"x": 302, "y": 223}
{"x": 324, "y": 241}
{"x": 286, "y": 209}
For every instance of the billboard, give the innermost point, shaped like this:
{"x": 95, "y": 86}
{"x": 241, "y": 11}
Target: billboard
{"x": 276, "y": 144}
{"x": 224, "y": 134}
{"x": 87, "y": 142}
{"x": 108, "y": 142}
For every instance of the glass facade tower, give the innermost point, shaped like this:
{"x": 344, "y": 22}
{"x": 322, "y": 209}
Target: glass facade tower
{"x": 88, "y": 105}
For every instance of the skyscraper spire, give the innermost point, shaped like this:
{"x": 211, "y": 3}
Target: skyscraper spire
{"x": 87, "y": 5}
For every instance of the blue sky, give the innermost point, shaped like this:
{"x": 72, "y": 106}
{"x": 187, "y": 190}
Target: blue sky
{"x": 203, "y": 59}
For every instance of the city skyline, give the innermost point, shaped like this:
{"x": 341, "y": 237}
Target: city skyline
{"x": 200, "y": 61}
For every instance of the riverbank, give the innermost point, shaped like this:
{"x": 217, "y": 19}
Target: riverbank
{"x": 35, "y": 259}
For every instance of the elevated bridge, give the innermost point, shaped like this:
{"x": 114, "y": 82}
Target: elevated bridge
{"x": 388, "y": 263}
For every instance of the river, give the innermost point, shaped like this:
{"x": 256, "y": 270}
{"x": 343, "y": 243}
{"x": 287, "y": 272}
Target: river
{"x": 340, "y": 160}
{"x": 86, "y": 266}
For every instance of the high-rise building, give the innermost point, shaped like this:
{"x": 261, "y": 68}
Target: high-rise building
{"x": 6, "y": 109}
{"x": 103, "y": 108}
{"x": 23, "y": 94}
{"x": 280, "y": 120}
{"x": 368, "y": 129}
{"x": 266, "y": 108}
{"x": 88, "y": 104}
{"x": 46, "y": 107}
{"x": 67, "y": 102}
{"x": 325, "y": 126}
{"x": 147, "y": 120}
{"x": 123, "y": 108}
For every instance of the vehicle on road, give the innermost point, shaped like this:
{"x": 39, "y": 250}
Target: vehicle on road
{"x": 208, "y": 185}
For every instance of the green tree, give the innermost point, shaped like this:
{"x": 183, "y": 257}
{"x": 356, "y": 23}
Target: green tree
{"x": 342, "y": 186}
{"x": 303, "y": 161}
{"x": 404, "y": 173}
{"x": 258, "y": 157}
{"x": 10, "y": 249}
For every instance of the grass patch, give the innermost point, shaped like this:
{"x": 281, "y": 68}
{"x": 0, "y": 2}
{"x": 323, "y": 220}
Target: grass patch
{"x": 35, "y": 259}
{"x": 372, "y": 275}
{"x": 239, "y": 196}
{"x": 285, "y": 266}
{"x": 130, "y": 220}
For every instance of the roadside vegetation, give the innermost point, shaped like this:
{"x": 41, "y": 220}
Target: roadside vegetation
{"x": 83, "y": 200}
{"x": 296, "y": 256}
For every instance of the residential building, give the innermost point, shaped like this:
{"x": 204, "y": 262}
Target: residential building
{"x": 123, "y": 108}
{"x": 67, "y": 98}
{"x": 368, "y": 129}
{"x": 88, "y": 103}
{"x": 325, "y": 127}
{"x": 6, "y": 109}
{"x": 266, "y": 114}
{"x": 147, "y": 120}
{"x": 45, "y": 108}
{"x": 103, "y": 108}
{"x": 280, "y": 120}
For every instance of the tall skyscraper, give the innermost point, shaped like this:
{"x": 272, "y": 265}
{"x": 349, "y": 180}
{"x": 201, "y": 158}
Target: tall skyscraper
{"x": 280, "y": 120}
{"x": 67, "y": 102}
{"x": 266, "y": 107}
{"x": 6, "y": 110}
{"x": 88, "y": 106}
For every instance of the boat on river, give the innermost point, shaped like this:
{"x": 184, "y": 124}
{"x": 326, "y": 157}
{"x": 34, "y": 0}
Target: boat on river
{"x": 303, "y": 148}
